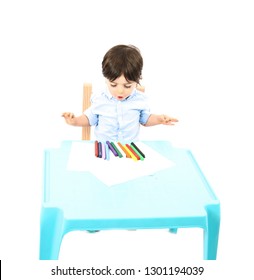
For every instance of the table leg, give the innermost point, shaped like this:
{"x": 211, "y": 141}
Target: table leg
{"x": 211, "y": 233}
{"x": 51, "y": 233}
{"x": 173, "y": 230}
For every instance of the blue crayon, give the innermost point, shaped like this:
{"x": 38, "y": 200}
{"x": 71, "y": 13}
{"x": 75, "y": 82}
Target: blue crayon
{"x": 112, "y": 149}
{"x": 103, "y": 151}
{"x": 107, "y": 152}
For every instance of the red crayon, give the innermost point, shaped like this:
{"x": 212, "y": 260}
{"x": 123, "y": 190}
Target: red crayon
{"x": 96, "y": 147}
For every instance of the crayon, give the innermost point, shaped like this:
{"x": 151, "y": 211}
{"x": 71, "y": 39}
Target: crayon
{"x": 136, "y": 151}
{"x": 107, "y": 152}
{"x": 100, "y": 150}
{"x": 118, "y": 152}
{"x": 135, "y": 146}
{"x": 103, "y": 151}
{"x": 124, "y": 149}
{"x": 96, "y": 148}
{"x": 132, "y": 153}
{"x": 112, "y": 149}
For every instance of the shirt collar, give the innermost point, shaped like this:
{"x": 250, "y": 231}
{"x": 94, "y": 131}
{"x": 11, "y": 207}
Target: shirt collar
{"x": 108, "y": 94}
{"x": 133, "y": 94}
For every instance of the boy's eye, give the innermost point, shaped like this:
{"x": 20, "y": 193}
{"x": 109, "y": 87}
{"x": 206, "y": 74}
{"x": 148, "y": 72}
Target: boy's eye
{"x": 126, "y": 86}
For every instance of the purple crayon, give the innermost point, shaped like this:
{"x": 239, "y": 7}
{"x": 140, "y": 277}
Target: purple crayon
{"x": 112, "y": 149}
{"x": 100, "y": 150}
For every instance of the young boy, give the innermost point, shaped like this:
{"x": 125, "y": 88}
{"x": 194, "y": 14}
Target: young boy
{"x": 118, "y": 111}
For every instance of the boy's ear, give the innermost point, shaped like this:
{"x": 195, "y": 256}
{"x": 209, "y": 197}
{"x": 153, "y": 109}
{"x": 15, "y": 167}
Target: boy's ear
{"x": 140, "y": 88}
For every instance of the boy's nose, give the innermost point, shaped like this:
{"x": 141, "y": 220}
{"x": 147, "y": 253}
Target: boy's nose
{"x": 120, "y": 89}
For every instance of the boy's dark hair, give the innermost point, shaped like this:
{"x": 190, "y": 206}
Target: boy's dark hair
{"x": 123, "y": 60}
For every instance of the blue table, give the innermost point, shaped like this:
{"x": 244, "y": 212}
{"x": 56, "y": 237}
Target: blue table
{"x": 178, "y": 197}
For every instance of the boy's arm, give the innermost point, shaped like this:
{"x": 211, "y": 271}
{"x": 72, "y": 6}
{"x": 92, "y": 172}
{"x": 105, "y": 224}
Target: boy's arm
{"x": 160, "y": 119}
{"x": 81, "y": 120}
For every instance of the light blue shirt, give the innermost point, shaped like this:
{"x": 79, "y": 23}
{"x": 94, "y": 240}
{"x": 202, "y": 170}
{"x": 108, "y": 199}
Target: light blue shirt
{"x": 117, "y": 120}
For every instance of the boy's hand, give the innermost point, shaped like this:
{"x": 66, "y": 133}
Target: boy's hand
{"x": 69, "y": 118}
{"x": 160, "y": 119}
{"x": 168, "y": 120}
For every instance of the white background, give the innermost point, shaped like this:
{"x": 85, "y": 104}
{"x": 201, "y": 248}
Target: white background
{"x": 198, "y": 67}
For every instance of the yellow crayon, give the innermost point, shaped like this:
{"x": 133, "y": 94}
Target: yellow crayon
{"x": 131, "y": 154}
{"x": 124, "y": 149}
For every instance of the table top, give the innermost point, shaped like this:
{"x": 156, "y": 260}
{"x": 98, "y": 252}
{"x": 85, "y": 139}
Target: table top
{"x": 181, "y": 191}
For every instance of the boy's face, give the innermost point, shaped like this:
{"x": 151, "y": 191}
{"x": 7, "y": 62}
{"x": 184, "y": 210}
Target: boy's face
{"x": 120, "y": 88}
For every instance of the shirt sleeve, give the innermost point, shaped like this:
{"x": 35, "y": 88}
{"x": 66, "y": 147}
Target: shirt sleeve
{"x": 93, "y": 118}
{"x": 144, "y": 116}
{"x": 144, "y": 112}
{"x": 89, "y": 112}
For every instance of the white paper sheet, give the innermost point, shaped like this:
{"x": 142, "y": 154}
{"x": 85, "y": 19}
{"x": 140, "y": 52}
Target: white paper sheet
{"x": 115, "y": 170}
